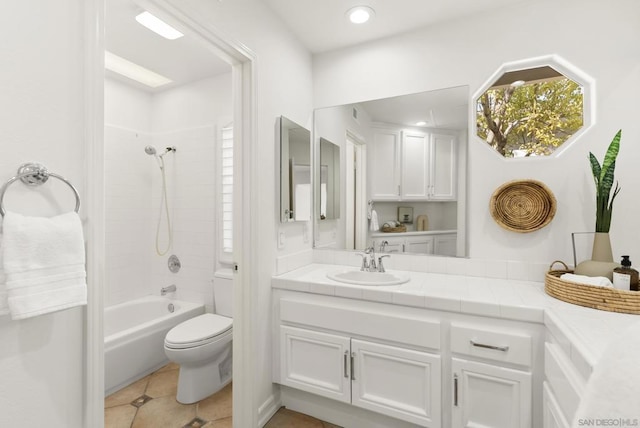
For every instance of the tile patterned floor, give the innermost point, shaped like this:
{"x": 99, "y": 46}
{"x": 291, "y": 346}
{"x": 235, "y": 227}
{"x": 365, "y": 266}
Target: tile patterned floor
{"x": 150, "y": 403}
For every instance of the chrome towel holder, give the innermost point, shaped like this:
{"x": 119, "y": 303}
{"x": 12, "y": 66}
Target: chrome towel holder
{"x": 35, "y": 174}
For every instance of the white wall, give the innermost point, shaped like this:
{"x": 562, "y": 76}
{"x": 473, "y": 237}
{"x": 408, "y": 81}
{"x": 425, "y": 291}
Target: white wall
{"x": 41, "y": 119}
{"x": 598, "y": 37}
{"x": 190, "y": 118}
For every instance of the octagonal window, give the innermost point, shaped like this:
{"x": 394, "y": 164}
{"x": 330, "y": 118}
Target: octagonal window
{"x": 532, "y": 111}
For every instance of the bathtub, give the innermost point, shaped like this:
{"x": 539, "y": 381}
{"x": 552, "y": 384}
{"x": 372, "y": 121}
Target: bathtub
{"x": 134, "y": 337}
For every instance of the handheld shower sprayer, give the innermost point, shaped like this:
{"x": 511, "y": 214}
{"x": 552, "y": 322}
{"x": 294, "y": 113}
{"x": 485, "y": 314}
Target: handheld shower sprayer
{"x": 164, "y": 203}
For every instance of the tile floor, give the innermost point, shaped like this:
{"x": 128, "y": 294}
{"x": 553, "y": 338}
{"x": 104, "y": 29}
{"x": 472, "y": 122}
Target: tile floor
{"x": 150, "y": 403}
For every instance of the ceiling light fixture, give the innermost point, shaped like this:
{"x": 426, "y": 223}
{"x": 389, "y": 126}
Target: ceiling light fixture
{"x": 518, "y": 83}
{"x": 133, "y": 71}
{"x": 158, "y": 26}
{"x": 421, "y": 123}
{"x": 360, "y": 14}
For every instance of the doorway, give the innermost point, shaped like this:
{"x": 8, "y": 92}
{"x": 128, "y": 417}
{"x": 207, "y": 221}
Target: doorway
{"x": 356, "y": 204}
{"x": 241, "y": 62}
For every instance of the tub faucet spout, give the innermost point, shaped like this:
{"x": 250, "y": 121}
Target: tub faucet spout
{"x": 169, "y": 289}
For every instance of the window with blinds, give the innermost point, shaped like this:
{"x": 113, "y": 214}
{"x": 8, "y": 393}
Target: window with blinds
{"x": 226, "y": 192}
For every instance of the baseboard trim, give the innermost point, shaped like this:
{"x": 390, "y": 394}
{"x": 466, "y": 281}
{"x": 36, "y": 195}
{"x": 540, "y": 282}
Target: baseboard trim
{"x": 268, "y": 409}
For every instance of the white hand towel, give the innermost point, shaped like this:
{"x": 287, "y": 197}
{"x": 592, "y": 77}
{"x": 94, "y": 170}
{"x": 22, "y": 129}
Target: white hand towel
{"x": 599, "y": 281}
{"x": 4, "y": 305}
{"x": 44, "y": 264}
{"x": 613, "y": 390}
{"x": 373, "y": 223}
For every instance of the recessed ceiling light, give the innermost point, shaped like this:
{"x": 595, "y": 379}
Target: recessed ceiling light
{"x": 421, "y": 123}
{"x": 133, "y": 71}
{"x": 158, "y": 26}
{"x": 360, "y": 14}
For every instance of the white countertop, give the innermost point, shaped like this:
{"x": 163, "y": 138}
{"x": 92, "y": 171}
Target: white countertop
{"x": 412, "y": 233}
{"x": 582, "y": 332}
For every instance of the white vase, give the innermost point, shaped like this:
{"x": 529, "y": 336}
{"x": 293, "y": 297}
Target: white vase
{"x": 601, "y": 263}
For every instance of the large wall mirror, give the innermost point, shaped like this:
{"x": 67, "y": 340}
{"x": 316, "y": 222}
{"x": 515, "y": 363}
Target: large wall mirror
{"x": 402, "y": 162}
{"x": 295, "y": 171}
{"x": 533, "y": 108}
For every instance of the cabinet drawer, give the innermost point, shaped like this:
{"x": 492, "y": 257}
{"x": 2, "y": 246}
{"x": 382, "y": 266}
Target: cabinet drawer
{"x": 563, "y": 379}
{"x": 372, "y": 321}
{"x": 509, "y": 347}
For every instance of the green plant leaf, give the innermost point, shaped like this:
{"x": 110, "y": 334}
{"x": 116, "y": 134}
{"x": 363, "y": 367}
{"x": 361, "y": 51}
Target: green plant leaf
{"x": 595, "y": 169}
{"x": 612, "y": 153}
{"x": 606, "y": 182}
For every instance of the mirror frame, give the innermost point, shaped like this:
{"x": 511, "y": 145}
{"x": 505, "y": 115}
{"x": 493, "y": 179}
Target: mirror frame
{"x": 562, "y": 66}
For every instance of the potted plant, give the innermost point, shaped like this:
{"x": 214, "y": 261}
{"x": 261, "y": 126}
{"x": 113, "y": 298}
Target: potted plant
{"x": 601, "y": 263}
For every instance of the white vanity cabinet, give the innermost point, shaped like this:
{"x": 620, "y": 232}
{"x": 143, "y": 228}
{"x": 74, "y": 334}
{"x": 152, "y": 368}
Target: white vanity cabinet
{"x": 564, "y": 386}
{"x": 363, "y": 363}
{"x": 412, "y": 165}
{"x": 492, "y": 377}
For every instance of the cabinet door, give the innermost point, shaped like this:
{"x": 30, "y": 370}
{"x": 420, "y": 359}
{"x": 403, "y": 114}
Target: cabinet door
{"x": 315, "y": 362}
{"x": 443, "y": 161}
{"x": 490, "y": 396}
{"x": 397, "y": 382}
{"x": 383, "y": 168}
{"x": 552, "y": 414}
{"x": 414, "y": 166}
{"x": 422, "y": 245}
{"x": 445, "y": 245}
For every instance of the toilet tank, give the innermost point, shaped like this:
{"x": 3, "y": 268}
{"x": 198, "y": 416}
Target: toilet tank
{"x": 223, "y": 293}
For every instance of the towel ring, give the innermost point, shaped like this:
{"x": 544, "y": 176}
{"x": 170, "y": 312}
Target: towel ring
{"x": 34, "y": 174}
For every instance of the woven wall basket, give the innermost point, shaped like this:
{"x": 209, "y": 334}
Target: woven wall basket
{"x": 602, "y": 298}
{"x": 523, "y": 205}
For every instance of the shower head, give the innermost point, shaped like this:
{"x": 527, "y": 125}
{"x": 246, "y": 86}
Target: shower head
{"x": 150, "y": 150}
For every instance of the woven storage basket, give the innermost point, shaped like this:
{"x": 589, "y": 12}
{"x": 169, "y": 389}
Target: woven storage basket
{"x": 523, "y": 205}
{"x": 398, "y": 229}
{"x": 602, "y": 298}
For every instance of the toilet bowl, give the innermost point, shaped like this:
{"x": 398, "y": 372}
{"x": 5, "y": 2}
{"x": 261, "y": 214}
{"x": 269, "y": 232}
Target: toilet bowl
{"x": 202, "y": 346}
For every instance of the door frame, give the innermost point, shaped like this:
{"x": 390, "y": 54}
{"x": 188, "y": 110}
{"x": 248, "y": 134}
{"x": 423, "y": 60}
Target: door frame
{"x": 246, "y": 224}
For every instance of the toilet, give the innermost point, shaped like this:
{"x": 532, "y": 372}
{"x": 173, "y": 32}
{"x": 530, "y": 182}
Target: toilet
{"x": 202, "y": 347}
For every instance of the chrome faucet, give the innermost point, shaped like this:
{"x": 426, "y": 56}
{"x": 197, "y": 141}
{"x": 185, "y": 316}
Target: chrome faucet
{"x": 383, "y": 245}
{"x": 371, "y": 252}
{"x": 169, "y": 289}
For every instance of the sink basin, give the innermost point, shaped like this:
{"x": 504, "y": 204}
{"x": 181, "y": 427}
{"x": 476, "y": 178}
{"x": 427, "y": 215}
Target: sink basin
{"x": 368, "y": 278}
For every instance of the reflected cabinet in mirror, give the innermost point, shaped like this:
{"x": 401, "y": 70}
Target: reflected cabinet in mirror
{"x": 295, "y": 171}
{"x": 397, "y": 155}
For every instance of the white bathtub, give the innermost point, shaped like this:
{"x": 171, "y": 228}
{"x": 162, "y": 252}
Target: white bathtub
{"x": 134, "y": 337}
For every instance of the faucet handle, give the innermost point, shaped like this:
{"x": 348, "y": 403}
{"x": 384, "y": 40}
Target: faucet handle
{"x": 365, "y": 263}
{"x": 380, "y": 265}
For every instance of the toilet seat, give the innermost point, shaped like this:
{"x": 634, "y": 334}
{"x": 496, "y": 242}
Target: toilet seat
{"x": 198, "y": 331}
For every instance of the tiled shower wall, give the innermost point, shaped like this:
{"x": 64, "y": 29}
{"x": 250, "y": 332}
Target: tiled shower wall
{"x": 188, "y": 118}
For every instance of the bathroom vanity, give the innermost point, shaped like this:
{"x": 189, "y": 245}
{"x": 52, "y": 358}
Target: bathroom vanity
{"x": 437, "y": 351}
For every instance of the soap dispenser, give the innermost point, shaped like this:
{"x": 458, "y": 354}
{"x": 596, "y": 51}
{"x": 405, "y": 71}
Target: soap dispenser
{"x": 625, "y": 277}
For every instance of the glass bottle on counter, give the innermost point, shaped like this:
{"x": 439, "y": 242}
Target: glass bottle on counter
{"x": 625, "y": 277}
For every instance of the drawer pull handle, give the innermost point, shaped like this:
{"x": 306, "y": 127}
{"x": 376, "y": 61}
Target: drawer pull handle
{"x": 455, "y": 390}
{"x": 495, "y": 348}
{"x": 346, "y": 372}
{"x": 353, "y": 370}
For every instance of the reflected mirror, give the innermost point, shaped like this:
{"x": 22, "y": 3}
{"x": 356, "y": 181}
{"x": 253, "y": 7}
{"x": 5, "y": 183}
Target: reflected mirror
{"x": 400, "y": 152}
{"x": 329, "y": 180}
{"x": 295, "y": 171}
{"x": 532, "y": 111}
